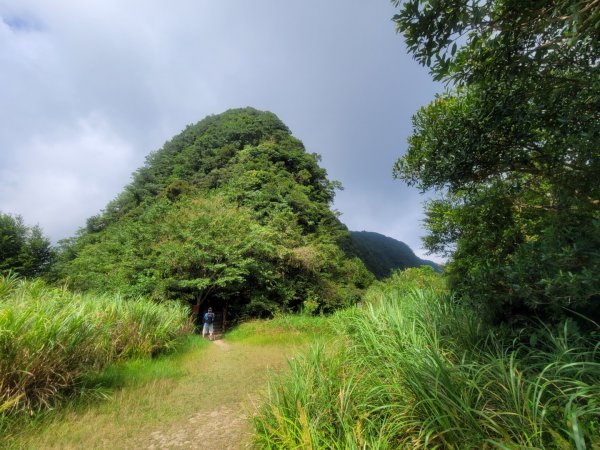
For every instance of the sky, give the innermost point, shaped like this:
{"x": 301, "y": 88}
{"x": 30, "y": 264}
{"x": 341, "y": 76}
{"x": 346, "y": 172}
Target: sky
{"x": 89, "y": 88}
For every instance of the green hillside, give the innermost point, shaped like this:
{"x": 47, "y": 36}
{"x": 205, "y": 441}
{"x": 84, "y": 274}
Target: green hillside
{"x": 233, "y": 213}
{"x": 381, "y": 254}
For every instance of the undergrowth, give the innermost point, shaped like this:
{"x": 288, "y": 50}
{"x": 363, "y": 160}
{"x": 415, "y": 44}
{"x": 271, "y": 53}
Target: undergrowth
{"x": 420, "y": 371}
{"x": 51, "y": 339}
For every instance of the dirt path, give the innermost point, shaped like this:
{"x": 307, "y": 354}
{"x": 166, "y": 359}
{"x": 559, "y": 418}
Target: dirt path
{"x": 222, "y": 428}
{"x": 203, "y": 402}
{"x": 223, "y": 425}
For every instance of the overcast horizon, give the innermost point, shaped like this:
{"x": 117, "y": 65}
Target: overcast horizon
{"x": 88, "y": 90}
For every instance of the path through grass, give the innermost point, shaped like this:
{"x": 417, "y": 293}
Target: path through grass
{"x": 200, "y": 398}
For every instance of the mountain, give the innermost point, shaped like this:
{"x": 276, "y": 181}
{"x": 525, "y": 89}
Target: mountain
{"x": 381, "y": 254}
{"x": 231, "y": 213}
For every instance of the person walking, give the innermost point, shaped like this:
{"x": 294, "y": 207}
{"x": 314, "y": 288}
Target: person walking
{"x": 209, "y": 324}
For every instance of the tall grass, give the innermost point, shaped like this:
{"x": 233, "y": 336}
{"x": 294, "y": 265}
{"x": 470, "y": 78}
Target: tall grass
{"x": 420, "y": 372}
{"x": 50, "y": 338}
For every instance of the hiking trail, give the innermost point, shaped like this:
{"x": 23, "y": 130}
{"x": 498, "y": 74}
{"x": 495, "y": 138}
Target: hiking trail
{"x": 206, "y": 404}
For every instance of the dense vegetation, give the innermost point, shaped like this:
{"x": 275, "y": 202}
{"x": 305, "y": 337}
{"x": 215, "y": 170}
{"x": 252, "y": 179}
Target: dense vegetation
{"x": 23, "y": 250}
{"x": 233, "y": 211}
{"x": 514, "y": 146}
{"x": 415, "y": 369}
{"x": 382, "y": 254}
{"x": 51, "y": 338}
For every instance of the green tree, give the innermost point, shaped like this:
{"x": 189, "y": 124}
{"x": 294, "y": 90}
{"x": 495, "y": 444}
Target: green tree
{"x": 24, "y": 250}
{"x": 513, "y": 146}
{"x": 233, "y": 210}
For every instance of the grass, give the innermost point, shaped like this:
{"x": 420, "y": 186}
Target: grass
{"x": 410, "y": 369}
{"x": 176, "y": 397}
{"x": 51, "y": 339}
{"x": 140, "y": 371}
{"x": 419, "y": 371}
{"x": 283, "y": 329}
{"x": 122, "y": 398}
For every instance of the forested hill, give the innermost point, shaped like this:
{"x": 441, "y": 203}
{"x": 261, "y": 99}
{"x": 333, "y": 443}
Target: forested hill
{"x": 232, "y": 212}
{"x": 381, "y": 254}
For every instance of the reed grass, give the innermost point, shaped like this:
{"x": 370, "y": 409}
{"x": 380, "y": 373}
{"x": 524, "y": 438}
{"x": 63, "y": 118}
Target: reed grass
{"x": 420, "y": 371}
{"x": 51, "y": 338}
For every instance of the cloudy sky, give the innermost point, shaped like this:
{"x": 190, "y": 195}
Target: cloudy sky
{"x": 89, "y": 88}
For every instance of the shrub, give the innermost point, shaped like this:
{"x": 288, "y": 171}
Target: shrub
{"x": 418, "y": 370}
{"x": 50, "y": 338}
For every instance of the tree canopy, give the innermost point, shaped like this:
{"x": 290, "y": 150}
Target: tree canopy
{"x": 513, "y": 147}
{"x": 232, "y": 211}
{"x": 24, "y": 250}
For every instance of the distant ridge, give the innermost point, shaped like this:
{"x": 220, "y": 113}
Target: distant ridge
{"x": 381, "y": 253}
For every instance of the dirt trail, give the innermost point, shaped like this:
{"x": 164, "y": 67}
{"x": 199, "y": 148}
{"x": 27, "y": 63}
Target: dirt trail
{"x": 206, "y": 405}
{"x": 222, "y": 428}
{"x": 225, "y": 424}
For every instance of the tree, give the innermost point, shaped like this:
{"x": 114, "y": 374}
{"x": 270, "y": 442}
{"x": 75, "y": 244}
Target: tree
{"x": 234, "y": 211}
{"x": 513, "y": 148}
{"x": 24, "y": 250}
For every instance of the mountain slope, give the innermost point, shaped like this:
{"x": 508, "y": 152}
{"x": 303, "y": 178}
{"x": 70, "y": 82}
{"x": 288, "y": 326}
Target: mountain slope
{"x": 381, "y": 254}
{"x": 231, "y": 213}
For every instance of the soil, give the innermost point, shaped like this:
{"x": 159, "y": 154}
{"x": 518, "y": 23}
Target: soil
{"x": 222, "y": 428}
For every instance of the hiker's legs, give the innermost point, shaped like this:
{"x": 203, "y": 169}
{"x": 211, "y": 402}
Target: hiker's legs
{"x": 204, "y": 329}
{"x": 211, "y": 329}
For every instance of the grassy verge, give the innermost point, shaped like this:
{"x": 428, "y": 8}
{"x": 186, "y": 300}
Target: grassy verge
{"x": 421, "y": 372}
{"x": 51, "y": 339}
{"x": 140, "y": 371}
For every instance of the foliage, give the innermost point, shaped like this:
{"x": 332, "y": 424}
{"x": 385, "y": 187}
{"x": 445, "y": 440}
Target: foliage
{"x": 50, "y": 338}
{"x": 417, "y": 370}
{"x": 233, "y": 212}
{"x": 171, "y": 250}
{"x": 402, "y": 282}
{"x": 23, "y": 250}
{"x": 382, "y": 254}
{"x": 514, "y": 148}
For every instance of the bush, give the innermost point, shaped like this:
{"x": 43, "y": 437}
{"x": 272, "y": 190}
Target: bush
{"x": 50, "y": 338}
{"x": 418, "y": 370}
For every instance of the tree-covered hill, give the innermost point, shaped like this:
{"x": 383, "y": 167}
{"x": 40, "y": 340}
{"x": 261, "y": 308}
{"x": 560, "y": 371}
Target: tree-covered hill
{"x": 232, "y": 212}
{"x": 381, "y": 254}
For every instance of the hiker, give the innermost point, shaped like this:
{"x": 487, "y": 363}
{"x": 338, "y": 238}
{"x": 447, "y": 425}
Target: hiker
{"x": 209, "y": 324}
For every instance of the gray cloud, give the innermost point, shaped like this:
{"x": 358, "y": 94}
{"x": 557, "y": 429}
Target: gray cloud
{"x": 89, "y": 88}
